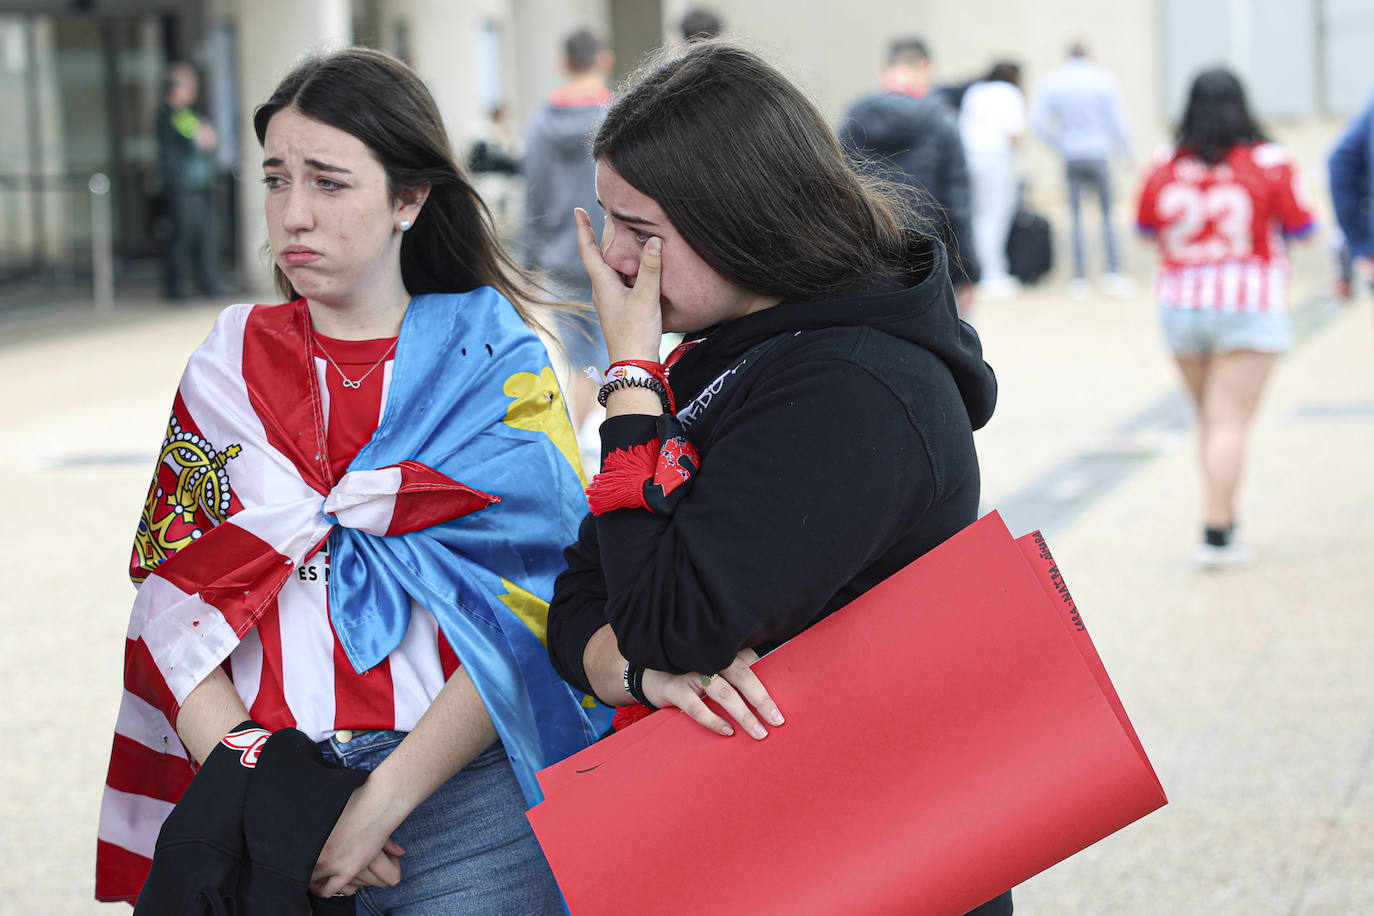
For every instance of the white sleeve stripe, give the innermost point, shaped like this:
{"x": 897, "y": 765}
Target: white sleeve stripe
{"x": 131, "y": 821}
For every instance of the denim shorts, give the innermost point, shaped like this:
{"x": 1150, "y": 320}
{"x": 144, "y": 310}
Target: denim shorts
{"x": 1201, "y": 332}
{"x": 468, "y": 847}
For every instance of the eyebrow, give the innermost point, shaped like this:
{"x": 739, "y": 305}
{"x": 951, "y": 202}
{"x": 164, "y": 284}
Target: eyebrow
{"x": 316, "y": 164}
{"x": 628, "y": 218}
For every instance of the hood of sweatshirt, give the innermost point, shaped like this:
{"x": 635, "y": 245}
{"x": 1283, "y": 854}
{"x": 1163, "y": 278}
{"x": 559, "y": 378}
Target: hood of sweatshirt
{"x": 893, "y": 122}
{"x": 915, "y": 303}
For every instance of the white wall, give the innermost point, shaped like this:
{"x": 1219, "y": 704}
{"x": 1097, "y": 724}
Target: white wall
{"x": 836, "y": 49}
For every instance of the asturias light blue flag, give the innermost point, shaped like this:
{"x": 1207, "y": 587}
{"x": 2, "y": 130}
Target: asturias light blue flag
{"x": 472, "y": 396}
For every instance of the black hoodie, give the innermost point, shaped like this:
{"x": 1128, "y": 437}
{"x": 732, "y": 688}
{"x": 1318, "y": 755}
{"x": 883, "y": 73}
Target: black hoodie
{"x": 841, "y": 455}
{"x": 915, "y": 142}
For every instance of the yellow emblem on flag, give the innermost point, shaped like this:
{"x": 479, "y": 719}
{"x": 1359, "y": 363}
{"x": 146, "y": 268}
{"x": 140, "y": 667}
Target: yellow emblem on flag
{"x": 532, "y": 610}
{"x": 539, "y": 407}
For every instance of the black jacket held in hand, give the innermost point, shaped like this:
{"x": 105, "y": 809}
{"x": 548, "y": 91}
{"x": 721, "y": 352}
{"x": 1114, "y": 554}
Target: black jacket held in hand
{"x": 843, "y": 454}
{"x": 246, "y": 834}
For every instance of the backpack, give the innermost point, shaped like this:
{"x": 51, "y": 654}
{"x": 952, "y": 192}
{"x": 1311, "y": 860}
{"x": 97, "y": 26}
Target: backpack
{"x": 1030, "y": 248}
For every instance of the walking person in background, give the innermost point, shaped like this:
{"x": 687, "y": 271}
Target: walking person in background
{"x": 823, "y": 350}
{"x": 346, "y": 551}
{"x": 1077, "y": 109}
{"x": 992, "y": 119}
{"x": 910, "y": 138}
{"x": 185, "y": 144}
{"x": 1218, "y": 205}
{"x": 1351, "y": 170}
{"x": 560, "y": 176}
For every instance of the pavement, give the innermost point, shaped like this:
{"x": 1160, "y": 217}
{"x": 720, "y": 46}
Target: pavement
{"x": 1251, "y": 689}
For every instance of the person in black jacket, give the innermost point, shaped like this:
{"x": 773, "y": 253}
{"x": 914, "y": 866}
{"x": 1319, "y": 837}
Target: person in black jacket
{"x": 811, "y": 436}
{"x": 909, "y": 136}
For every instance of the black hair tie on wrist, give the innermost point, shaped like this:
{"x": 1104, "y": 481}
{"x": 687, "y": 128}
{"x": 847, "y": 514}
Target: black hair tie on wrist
{"x": 634, "y": 684}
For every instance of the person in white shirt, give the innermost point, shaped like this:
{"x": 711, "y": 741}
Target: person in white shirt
{"x": 992, "y": 118}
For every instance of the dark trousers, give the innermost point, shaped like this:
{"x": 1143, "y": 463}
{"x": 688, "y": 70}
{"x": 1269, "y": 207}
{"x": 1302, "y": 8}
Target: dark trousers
{"x": 191, "y": 249}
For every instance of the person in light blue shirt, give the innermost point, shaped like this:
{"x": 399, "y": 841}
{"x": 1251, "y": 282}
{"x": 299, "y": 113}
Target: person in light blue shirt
{"x": 1078, "y": 111}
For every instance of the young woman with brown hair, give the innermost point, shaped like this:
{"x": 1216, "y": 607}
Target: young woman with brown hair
{"x": 352, "y": 535}
{"x": 813, "y": 434}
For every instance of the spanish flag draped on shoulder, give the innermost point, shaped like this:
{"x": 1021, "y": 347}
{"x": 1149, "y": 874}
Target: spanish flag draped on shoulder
{"x": 461, "y": 503}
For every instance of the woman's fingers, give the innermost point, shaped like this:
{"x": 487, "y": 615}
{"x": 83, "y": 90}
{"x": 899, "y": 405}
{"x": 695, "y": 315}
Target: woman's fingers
{"x": 690, "y": 702}
{"x": 737, "y": 690}
{"x": 382, "y": 871}
{"x": 348, "y": 890}
{"x": 586, "y": 238}
{"x": 742, "y": 677}
{"x": 650, "y": 270}
{"x": 724, "y": 693}
{"x": 607, "y": 233}
{"x": 681, "y": 690}
{"x": 597, "y": 269}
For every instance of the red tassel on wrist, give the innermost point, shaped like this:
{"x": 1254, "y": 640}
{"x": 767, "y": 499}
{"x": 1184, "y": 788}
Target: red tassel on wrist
{"x": 620, "y": 485}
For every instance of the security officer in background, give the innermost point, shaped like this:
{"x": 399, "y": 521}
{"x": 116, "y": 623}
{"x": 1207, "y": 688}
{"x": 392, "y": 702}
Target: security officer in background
{"x": 185, "y": 143}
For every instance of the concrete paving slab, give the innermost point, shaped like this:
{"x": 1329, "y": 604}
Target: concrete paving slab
{"x": 1251, "y": 689}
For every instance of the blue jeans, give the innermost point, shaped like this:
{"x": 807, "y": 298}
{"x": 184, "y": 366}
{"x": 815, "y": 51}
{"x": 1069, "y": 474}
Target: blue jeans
{"x": 468, "y": 847}
{"x": 1096, "y": 173}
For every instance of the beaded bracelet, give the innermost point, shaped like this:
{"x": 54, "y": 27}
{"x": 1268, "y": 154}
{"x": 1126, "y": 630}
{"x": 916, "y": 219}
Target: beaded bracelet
{"x": 634, "y": 684}
{"x": 652, "y": 369}
{"x": 654, "y": 385}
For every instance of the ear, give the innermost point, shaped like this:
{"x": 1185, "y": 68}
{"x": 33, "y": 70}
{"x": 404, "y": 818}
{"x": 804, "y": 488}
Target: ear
{"x": 411, "y": 202}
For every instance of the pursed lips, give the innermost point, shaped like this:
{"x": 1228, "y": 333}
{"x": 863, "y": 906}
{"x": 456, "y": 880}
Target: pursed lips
{"x": 299, "y": 255}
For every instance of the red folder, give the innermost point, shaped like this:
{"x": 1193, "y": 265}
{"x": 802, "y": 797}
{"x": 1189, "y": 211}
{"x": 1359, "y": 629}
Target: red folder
{"x": 950, "y": 733}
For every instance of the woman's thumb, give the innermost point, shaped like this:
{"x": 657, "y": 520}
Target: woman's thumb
{"x": 651, "y": 261}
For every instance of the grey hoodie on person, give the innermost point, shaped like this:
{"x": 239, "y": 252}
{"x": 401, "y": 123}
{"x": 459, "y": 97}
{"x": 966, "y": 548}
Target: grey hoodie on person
{"x": 559, "y": 175}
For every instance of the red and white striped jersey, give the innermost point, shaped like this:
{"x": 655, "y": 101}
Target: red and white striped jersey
{"x": 291, "y": 670}
{"x": 1220, "y": 228}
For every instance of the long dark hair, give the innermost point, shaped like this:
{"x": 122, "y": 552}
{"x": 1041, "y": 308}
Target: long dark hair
{"x": 749, "y": 173}
{"x": 453, "y": 246}
{"x": 1217, "y": 117}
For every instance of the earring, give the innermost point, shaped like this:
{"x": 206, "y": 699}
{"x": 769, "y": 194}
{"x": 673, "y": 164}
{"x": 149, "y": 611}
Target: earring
{"x": 404, "y": 225}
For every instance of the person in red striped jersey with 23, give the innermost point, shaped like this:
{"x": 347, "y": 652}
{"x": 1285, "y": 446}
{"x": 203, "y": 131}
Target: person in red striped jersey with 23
{"x": 1221, "y": 205}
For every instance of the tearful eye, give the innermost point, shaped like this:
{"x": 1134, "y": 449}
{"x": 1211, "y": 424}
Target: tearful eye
{"x": 642, "y": 237}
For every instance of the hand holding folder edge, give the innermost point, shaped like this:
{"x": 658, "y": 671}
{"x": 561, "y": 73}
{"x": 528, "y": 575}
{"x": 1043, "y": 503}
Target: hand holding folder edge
{"x": 950, "y": 733}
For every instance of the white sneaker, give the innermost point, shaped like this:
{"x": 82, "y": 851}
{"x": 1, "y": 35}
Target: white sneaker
{"x": 1079, "y": 289}
{"x": 1118, "y": 286}
{"x": 998, "y": 289}
{"x": 1232, "y": 556}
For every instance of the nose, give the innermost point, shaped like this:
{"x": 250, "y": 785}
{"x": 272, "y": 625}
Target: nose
{"x": 623, "y": 255}
{"x": 296, "y": 215}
